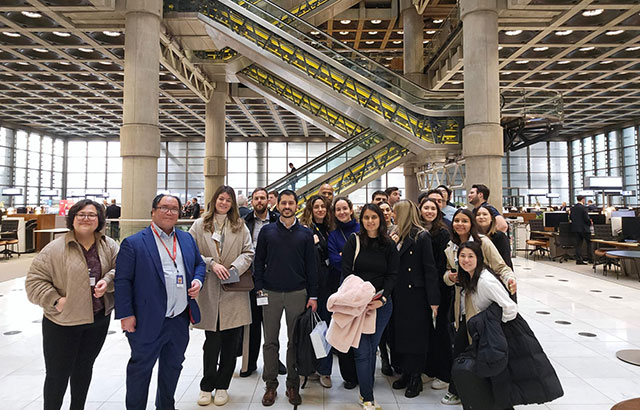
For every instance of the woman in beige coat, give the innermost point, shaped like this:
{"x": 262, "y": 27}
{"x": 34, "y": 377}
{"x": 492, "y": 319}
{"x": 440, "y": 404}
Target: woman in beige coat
{"x": 72, "y": 279}
{"x": 225, "y": 244}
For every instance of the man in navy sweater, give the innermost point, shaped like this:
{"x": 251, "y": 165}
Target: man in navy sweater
{"x": 286, "y": 273}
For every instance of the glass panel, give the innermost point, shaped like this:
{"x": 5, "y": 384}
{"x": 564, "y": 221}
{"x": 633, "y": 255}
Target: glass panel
{"x": 57, "y": 180}
{"x": 600, "y": 143}
{"x": 75, "y": 180}
{"x": 21, "y": 158}
{"x": 33, "y": 177}
{"x": 614, "y": 158}
{"x": 538, "y": 150}
{"x": 177, "y": 149}
{"x": 587, "y": 145}
{"x": 255, "y": 149}
{"x": 559, "y": 164}
{"x": 96, "y": 164}
{"x": 276, "y": 164}
{"x": 629, "y": 155}
{"x": 33, "y": 160}
{"x": 559, "y": 181}
{"x": 588, "y": 161}
{"x": 177, "y": 165}
{"x": 237, "y": 149}
{"x": 298, "y": 149}
{"x": 113, "y": 149}
{"x": 6, "y": 137}
{"x": 47, "y": 145}
{"x": 46, "y": 161}
{"x": 21, "y": 139}
{"x": 576, "y": 147}
{"x": 58, "y": 147}
{"x": 114, "y": 180}
{"x": 77, "y": 164}
{"x": 539, "y": 180}
{"x": 538, "y": 164}
{"x": 114, "y": 164}
{"x": 97, "y": 148}
{"x": 316, "y": 149}
{"x": 236, "y": 180}
{"x": 601, "y": 160}
{"x": 628, "y": 137}
{"x": 77, "y": 149}
{"x": 277, "y": 149}
{"x": 558, "y": 149}
{"x": 95, "y": 180}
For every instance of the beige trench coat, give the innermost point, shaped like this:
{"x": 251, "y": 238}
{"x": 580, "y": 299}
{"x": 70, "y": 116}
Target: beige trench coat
{"x": 232, "y": 308}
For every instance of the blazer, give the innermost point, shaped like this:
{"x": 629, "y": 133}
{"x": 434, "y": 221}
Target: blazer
{"x": 140, "y": 289}
{"x": 580, "y": 221}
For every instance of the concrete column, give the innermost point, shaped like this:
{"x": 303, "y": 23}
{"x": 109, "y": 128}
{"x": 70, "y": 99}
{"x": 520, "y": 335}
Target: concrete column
{"x": 413, "y": 50}
{"x": 140, "y": 134}
{"x": 482, "y": 134}
{"x": 261, "y": 154}
{"x": 215, "y": 164}
{"x": 411, "y": 189}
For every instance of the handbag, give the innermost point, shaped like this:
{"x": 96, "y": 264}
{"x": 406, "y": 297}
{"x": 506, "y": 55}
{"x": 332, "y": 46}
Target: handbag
{"x": 318, "y": 336}
{"x": 245, "y": 284}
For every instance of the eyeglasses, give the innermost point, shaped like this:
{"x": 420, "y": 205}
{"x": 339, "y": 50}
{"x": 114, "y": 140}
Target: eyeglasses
{"x": 172, "y": 211}
{"x": 91, "y": 217}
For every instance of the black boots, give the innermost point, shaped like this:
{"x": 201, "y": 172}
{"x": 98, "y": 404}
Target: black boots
{"x": 414, "y": 386}
{"x": 386, "y": 366}
{"x": 401, "y": 383}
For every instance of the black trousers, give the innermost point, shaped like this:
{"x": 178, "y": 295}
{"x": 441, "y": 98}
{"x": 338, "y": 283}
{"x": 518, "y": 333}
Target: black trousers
{"x": 69, "y": 354}
{"x": 347, "y": 363}
{"x": 583, "y": 236}
{"x": 219, "y": 358}
{"x": 460, "y": 344}
{"x": 255, "y": 332}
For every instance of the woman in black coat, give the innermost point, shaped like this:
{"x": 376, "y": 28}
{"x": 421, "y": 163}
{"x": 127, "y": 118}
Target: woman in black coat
{"x": 418, "y": 296}
{"x": 440, "y": 355}
{"x": 486, "y": 222}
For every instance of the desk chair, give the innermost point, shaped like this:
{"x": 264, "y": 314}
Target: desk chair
{"x": 539, "y": 242}
{"x": 600, "y": 254}
{"x": 565, "y": 241}
{"x": 9, "y": 238}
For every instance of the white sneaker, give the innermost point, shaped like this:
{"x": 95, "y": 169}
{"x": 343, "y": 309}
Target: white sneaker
{"x": 204, "y": 399}
{"x": 325, "y": 381}
{"x": 426, "y": 379}
{"x": 438, "y": 384}
{"x": 451, "y": 399}
{"x": 367, "y": 405}
{"x": 220, "y": 398}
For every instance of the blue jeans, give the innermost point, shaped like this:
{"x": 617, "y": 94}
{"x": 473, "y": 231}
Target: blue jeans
{"x": 365, "y": 354}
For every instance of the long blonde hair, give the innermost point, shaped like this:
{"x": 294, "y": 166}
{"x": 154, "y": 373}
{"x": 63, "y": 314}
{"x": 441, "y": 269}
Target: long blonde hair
{"x": 232, "y": 215}
{"x": 407, "y": 218}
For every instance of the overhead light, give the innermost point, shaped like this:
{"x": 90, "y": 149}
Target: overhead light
{"x": 388, "y": 58}
{"x": 425, "y": 41}
{"x": 345, "y": 21}
{"x": 106, "y": 62}
{"x": 112, "y": 33}
{"x": 65, "y": 63}
{"x": 315, "y": 33}
{"x": 513, "y": 32}
{"x": 40, "y": 50}
{"x": 10, "y": 34}
{"x": 583, "y": 73}
{"x": 23, "y": 63}
{"x": 591, "y": 13}
{"x": 544, "y": 72}
{"x": 500, "y": 48}
{"x": 587, "y": 48}
{"x": 373, "y": 33}
{"x": 634, "y": 48}
{"x": 437, "y": 21}
{"x": 344, "y": 33}
{"x": 386, "y": 65}
{"x": 528, "y": 82}
{"x": 376, "y": 21}
{"x": 456, "y": 82}
{"x": 31, "y": 14}
{"x": 62, "y": 34}
{"x": 431, "y": 32}
{"x": 606, "y": 62}
{"x": 400, "y": 32}
{"x": 84, "y": 74}
{"x": 563, "y": 32}
{"x": 397, "y": 42}
{"x": 545, "y": 48}
{"x": 564, "y": 62}
{"x": 86, "y": 50}
{"x": 522, "y": 62}
{"x": 614, "y": 32}
{"x": 369, "y": 42}
{"x": 507, "y": 73}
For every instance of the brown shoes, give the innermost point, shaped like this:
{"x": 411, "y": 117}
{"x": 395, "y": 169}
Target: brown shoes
{"x": 269, "y": 396}
{"x": 294, "y": 396}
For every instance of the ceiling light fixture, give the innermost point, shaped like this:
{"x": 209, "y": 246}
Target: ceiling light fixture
{"x": 563, "y": 32}
{"x": 513, "y": 32}
{"x": 10, "y": 34}
{"x": 632, "y": 48}
{"x": 86, "y": 50}
{"x": 431, "y": 32}
{"x": 564, "y": 62}
{"x": 606, "y": 62}
{"x": 106, "y": 62}
{"x": 388, "y": 58}
{"x": 400, "y": 32}
{"x": 344, "y": 33}
{"x": 456, "y": 82}
{"x": 425, "y": 41}
{"x": 62, "y": 34}
{"x": 345, "y": 21}
{"x": 397, "y": 42}
{"x": 614, "y": 32}
{"x": 315, "y": 33}
{"x": 23, "y": 63}
{"x": 31, "y": 14}
{"x": 437, "y": 21}
{"x": 587, "y": 48}
{"x": 500, "y": 48}
{"x": 65, "y": 63}
{"x": 40, "y": 50}
{"x": 111, "y": 33}
{"x": 545, "y": 48}
{"x": 507, "y": 73}
{"x": 369, "y": 42}
{"x": 373, "y": 33}
{"x": 592, "y": 13}
{"x": 522, "y": 62}
{"x": 376, "y": 21}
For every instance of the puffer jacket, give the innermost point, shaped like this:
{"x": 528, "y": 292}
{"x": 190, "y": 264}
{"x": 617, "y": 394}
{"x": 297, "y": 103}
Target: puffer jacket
{"x": 60, "y": 270}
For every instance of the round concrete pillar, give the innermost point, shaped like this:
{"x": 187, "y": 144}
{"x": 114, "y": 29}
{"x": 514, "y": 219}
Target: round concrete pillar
{"x": 215, "y": 165}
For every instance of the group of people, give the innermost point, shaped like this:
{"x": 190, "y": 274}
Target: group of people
{"x": 433, "y": 267}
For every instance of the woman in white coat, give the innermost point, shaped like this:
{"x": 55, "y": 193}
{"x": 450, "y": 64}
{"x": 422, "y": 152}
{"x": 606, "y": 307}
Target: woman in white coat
{"x": 225, "y": 244}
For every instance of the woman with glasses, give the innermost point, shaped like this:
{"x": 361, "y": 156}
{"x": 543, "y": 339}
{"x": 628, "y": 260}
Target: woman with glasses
{"x": 226, "y": 247}
{"x": 72, "y": 279}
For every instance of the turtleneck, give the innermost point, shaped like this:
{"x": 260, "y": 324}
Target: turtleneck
{"x": 347, "y": 225}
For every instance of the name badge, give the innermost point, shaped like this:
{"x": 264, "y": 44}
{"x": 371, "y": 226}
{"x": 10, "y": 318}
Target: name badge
{"x": 92, "y": 281}
{"x": 262, "y": 300}
{"x": 216, "y": 237}
{"x": 180, "y": 281}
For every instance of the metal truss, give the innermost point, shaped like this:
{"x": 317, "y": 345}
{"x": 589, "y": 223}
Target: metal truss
{"x": 451, "y": 174}
{"x": 522, "y": 132}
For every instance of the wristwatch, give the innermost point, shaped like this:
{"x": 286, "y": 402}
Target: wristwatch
{"x": 383, "y": 300}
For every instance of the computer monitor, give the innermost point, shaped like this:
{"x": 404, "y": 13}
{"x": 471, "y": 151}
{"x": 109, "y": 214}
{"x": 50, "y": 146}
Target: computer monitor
{"x": 631, "y": 228}
{"x": 553, "y": 219}
{"x": 624, "y": 213}
{"x": 598, "y": 219}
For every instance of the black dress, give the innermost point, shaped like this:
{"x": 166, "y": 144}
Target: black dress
{"x": 501, "y": 242}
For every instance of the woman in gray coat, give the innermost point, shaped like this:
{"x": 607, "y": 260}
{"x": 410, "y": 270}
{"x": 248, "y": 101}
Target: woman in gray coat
{"x": 225, "y": 244}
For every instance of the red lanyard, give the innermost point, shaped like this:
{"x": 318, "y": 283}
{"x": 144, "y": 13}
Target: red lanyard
{"x": 175, "y": 254}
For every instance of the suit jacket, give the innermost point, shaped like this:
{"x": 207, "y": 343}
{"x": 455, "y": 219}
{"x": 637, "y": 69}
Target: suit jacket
{"x": 140, "y": 289}
{"x": 580, "y": 221}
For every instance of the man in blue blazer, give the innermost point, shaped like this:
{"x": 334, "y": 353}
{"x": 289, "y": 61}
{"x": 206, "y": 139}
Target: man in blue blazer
{"x": 159, "y": 272}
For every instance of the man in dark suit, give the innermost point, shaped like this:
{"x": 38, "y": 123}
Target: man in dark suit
{"x": 159, "y": 272}
{"x": 581, "y": 227}
{"x": 195, "y": 209}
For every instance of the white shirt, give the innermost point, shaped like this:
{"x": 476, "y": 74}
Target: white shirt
{"x": 490, "y": 290}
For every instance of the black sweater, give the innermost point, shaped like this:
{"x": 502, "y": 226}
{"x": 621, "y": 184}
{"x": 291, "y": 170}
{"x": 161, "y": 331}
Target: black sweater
{"x": 285, "y": 259}
{"x": 377, "y": 263}
{"x": 501, "y": 242}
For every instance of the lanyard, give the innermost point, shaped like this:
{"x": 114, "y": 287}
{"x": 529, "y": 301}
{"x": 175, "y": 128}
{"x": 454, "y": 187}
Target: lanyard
{"x": 175, "y": 254}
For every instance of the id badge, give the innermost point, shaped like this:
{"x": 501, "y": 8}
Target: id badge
{"x": 216, "y": 237}
{"x": 180, "y": 281}
{"x": 262, "y": 300}
{"x": 92, "y": 281}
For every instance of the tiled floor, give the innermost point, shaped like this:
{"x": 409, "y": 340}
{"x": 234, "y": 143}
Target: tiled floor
{"x": 592, "y": 377}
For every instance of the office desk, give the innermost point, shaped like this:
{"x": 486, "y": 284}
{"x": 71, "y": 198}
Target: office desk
{"x": 52, "y": 232}
{"x": 617, "y": 245}
{"x": 633, "y": 256}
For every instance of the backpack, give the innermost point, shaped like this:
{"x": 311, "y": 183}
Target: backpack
{"x": 306, "y": 362}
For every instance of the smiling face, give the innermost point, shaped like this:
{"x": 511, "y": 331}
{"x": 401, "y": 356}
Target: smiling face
{"x": 287, "y": 206}
{"x": 223, "y": 203}
{"x": 483, "y": 218}
{"x": 468, "y": 261}
{"x": 319, "y": 210}
{"x": 461, "y": 224}
{"x": 86, "y": 220}
{"x": 165, "y": 215}
{"x": 371, "y": 222}
{"x": 429, "y": 211}
{"x": 343, "y": 212}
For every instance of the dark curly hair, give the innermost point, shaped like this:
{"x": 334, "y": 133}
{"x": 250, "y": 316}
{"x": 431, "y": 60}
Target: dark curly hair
{"x": 78, "y": 206}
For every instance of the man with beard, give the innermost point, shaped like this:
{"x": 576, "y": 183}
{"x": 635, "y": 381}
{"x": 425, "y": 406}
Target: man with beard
{"x": 286, "y": 278}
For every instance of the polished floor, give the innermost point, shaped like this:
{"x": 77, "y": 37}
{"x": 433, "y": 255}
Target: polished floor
{"x": 581, "y": 321}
